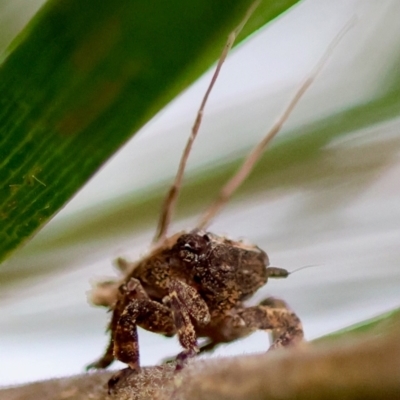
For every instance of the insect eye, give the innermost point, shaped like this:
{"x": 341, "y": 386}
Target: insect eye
{"x": 191, "y": 246}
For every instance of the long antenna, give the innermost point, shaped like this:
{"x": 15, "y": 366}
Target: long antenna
{"x": 249, "y": 162}
{"x": 172, "y": 195}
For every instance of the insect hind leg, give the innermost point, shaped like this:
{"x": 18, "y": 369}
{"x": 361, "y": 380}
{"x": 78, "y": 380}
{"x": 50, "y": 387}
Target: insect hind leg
{"x": 274, "y": 315}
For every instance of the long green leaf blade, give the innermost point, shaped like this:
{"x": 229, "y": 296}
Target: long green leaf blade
{"x": 82, "y": 77}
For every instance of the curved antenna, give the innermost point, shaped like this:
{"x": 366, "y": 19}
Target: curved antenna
{"x": 172, "y": 195}
{"x": 249, "y": 162}
{"x": 304, "y": 267}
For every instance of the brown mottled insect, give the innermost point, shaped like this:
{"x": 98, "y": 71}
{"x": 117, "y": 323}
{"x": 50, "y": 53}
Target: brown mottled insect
{"x": 194, "y": 284}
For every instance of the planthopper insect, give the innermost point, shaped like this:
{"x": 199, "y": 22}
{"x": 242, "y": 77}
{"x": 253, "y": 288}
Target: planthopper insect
{"x": 194, "y": 284}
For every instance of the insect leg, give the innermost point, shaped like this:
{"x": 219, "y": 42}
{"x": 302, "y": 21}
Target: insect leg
{"x": 108, "y": 356}
{"x": 273, "y": 314}
{"x": 172, "y": 195}
{"x": 189, "y": 298}
{"x": 185, "y": 302}
{"x": 126, "y": 292}
{"x": 147, "y": 314}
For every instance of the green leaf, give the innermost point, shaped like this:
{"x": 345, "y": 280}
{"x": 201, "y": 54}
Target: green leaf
{"x": 82, "y": 77}
{"x": 378, "y": 325}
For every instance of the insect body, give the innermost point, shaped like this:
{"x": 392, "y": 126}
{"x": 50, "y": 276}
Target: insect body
{"x": 194, "y": 284}
{"x": 195, "y": 287}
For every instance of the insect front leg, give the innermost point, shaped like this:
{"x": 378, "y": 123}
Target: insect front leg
{"x": 126, "y": 291}
{"x": 149, "y": 315}
{"x": 274, "y": 314}
{"x": 186, "y": 302}
{"x": 130, "y": 291}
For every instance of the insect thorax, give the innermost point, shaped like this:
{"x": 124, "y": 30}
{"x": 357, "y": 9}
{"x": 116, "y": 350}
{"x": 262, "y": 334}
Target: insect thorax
{"x": 214, "y": 265}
